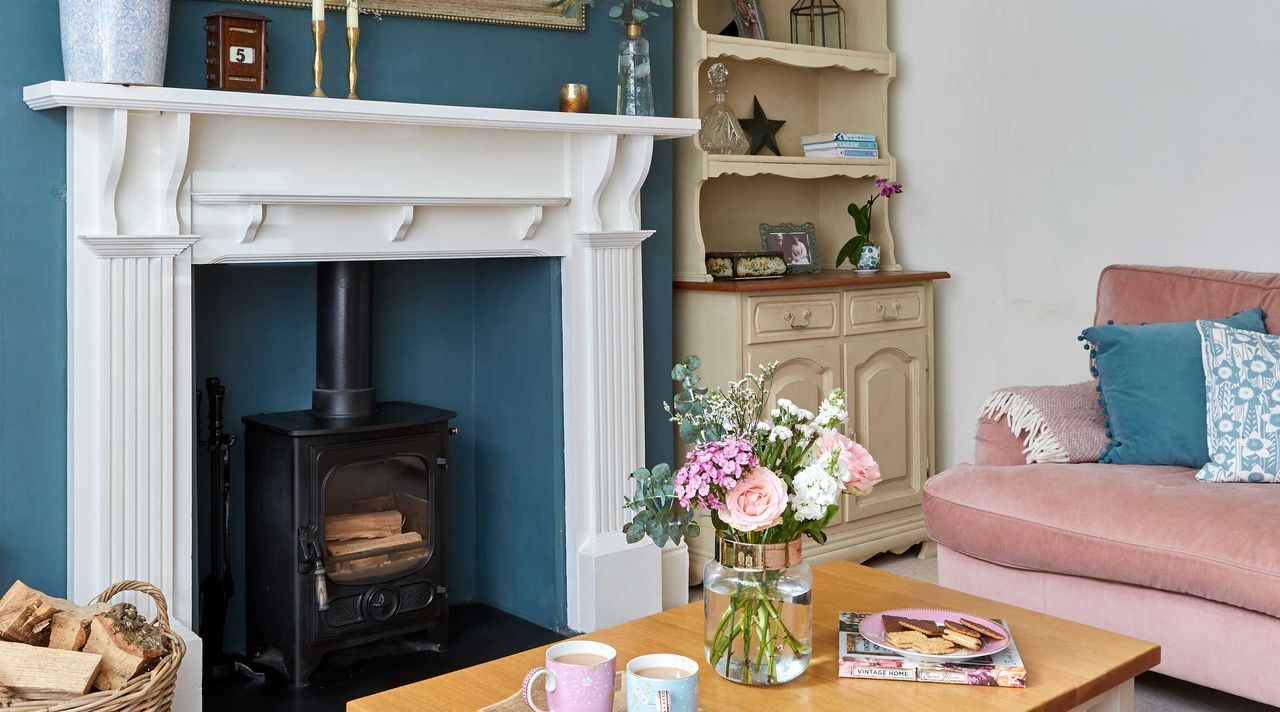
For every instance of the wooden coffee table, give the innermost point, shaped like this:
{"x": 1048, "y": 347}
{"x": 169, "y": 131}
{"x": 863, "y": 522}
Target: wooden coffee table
{"x": 1069, "y": 666}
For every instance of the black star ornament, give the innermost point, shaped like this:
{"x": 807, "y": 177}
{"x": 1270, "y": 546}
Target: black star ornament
{"x": 762, "y": 130}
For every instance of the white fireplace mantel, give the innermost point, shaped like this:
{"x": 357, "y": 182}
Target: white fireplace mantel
{"x": 160, "y": 179}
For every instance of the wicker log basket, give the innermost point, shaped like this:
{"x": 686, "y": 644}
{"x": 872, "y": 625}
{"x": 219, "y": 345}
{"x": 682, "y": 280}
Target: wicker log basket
{"x": 150, "y": 692}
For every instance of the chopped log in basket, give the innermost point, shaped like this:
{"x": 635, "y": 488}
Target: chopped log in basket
{"x": 69, "y": 630}
{"x": 129, "y": 646}
{"x": 35, "y": 673}
{"x": 25, "y": 614}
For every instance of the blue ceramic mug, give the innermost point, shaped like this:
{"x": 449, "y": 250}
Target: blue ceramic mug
{"x": 662, "y": 683}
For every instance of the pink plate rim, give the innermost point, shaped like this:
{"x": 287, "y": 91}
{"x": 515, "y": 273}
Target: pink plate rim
{"x": 872, "y": 628}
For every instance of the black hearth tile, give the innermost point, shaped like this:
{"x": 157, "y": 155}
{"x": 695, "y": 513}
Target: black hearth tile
{"x": 478, "y": 633}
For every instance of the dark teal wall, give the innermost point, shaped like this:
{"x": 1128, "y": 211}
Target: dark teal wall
{"x": 481, "y": 337}
{"x": 33, "y": 307}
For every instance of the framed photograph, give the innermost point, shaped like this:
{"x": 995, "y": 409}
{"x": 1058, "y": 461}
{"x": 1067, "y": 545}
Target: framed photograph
{"x": 524, "y": 13}
{"x": 797, "y": 243}
{"x": 750, "y": 21}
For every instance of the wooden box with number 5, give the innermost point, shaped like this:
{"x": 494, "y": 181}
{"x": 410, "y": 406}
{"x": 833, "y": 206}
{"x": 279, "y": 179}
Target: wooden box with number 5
{"x": 236, "y": 50}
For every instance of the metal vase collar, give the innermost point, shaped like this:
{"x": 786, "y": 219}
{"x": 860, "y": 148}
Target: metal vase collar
{"x": 758, "y": 557}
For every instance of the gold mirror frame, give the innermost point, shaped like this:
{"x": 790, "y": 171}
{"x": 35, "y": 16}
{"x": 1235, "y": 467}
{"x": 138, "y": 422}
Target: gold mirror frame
{"x": 521, "y": 13}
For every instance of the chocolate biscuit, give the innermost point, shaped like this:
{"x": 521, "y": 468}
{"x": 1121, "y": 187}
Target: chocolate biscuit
{"x": 929, "y": 628}
{"x": 984, "y": 630}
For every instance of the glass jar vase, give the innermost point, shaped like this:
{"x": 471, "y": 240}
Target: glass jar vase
{"x": 758, "y": 606}
{"x": 635, "y": 82}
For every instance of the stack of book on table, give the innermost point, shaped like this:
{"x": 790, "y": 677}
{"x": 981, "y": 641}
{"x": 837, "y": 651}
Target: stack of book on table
{"x": 840, "y": 145}
{"x": 860, "y": 657}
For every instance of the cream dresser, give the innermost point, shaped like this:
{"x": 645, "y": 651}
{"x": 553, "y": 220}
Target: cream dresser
{"x": 871, "y": 335}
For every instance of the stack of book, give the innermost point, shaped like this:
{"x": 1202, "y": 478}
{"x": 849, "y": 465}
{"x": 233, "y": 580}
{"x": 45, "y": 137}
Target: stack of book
{"x": 840, "y": 145}
{"x": 860, "y": 657}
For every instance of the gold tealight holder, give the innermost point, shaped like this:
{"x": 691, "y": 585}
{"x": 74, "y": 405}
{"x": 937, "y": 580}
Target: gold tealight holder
{"x": 573, "y": 98}
{"x": 317, "y": 65}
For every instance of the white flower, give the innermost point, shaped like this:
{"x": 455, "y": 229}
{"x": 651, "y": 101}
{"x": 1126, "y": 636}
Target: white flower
{"x": 763, "y": 426}
{"x": 807, "y": 430}
{"x": 780, "y": 433}
{"x": 815, "y": 490}
{"x": 831, "y": 413}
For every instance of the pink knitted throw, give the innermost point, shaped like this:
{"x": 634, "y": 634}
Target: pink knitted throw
{"x": 1061, "y": 423}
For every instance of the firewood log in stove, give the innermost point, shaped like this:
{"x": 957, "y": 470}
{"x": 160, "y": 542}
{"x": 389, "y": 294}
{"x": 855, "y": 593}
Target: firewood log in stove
{"x": 369, "y": 525}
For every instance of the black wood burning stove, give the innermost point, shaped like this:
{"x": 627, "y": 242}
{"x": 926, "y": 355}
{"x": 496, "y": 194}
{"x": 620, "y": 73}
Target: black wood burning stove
{"x": 345, "y": 502}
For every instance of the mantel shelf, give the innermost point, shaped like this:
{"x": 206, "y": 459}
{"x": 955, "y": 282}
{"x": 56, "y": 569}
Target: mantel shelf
{"x": 799, "y": 166}
{"x": 796, "y": 55}
{"x": 53, "y": 94}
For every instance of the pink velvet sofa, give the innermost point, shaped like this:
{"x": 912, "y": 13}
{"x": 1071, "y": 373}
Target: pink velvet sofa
{"x": 1145, "y": 551}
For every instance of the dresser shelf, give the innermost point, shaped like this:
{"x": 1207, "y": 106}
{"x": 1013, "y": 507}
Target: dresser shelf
{"x": 793, "y": 55}
{"x": 826, "y": 279}
{"x": 799, "y": 166}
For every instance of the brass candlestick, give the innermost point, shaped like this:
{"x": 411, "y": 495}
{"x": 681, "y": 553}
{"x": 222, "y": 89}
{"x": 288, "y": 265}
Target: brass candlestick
{"x": 317, "y": 65}
{"x": 353, "y": 39}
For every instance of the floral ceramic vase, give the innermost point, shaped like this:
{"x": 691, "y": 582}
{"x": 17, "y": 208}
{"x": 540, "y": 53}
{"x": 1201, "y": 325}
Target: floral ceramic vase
{"x": 114, "y": 41}
{"x": 758, "y": 608}
{"x": 868, "y": 258}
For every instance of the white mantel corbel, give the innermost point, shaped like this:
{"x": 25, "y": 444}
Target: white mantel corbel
{"x": 160, "y": 179}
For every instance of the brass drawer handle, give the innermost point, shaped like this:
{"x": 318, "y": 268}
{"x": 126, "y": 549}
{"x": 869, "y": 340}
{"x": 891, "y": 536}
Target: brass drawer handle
{"x": 885, "y": 313}
{"x": 796, "y": 323}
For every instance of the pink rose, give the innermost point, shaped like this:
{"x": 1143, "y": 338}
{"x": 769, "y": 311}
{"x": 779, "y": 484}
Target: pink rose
{"x": 757, "y": 501}
{"x": 858, "y": 470}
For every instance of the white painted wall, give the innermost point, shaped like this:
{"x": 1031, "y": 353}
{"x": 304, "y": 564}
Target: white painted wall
{"x": 1042, "y": 140}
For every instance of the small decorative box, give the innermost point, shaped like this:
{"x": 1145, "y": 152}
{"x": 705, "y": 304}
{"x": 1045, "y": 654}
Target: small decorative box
{"x": 759, "y": 264}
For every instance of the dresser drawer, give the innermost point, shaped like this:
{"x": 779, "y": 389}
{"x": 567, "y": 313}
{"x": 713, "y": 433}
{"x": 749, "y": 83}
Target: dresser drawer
{"x": 794, "y": 316}
{"x": 884, "y": 310}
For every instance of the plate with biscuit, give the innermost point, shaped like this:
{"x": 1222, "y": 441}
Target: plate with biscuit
{"x": 935, "y": 635}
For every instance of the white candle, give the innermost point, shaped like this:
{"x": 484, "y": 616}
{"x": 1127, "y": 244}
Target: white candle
{"x": 317, "y": 10}
{"x": 353, "y": 14}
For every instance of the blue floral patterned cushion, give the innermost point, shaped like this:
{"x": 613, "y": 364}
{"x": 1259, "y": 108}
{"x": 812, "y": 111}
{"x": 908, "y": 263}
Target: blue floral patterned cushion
{"x": 1242, "y": 389}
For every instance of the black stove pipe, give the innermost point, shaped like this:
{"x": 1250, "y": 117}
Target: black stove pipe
{"x": 344, "y": 369}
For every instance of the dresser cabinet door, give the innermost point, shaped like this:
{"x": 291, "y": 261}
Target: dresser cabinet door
{"x": 806, "y": 372}
{"x": 886, "y": 376}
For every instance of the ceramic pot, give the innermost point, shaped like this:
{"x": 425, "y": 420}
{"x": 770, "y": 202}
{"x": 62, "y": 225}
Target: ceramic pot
{"x": 114, "y": 41}
{"x": 868, "y": 258}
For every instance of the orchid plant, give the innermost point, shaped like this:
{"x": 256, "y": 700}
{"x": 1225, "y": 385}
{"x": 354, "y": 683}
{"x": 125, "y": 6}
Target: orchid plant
{"x": 861, "y": 214}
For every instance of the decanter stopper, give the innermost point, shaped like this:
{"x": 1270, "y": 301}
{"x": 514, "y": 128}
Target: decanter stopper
{"x": 720, "y": 132}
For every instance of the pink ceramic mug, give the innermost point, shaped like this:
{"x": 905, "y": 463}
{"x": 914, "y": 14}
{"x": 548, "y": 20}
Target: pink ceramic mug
{"x": 579, "y": 677}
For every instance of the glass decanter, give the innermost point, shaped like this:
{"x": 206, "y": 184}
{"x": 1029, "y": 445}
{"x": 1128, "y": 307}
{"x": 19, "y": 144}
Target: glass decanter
{"x": 720, "y": 132}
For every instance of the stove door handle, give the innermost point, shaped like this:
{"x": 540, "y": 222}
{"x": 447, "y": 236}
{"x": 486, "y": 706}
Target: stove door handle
{"x": 322, "y": 588}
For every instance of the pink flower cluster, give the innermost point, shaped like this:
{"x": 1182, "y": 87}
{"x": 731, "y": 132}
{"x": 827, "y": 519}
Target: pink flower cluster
{"x": 887, "y": 189}
{"x": 712, "y": 470}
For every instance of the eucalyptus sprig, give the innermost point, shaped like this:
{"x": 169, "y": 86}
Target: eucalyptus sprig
{"x": 654, "y": 509}
{"x": 624, "y": 12}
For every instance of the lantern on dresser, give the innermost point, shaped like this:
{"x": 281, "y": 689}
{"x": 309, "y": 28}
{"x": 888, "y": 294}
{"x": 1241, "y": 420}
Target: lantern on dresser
{"x": 236, "y": 50}
{"x": 818, "y": 22}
